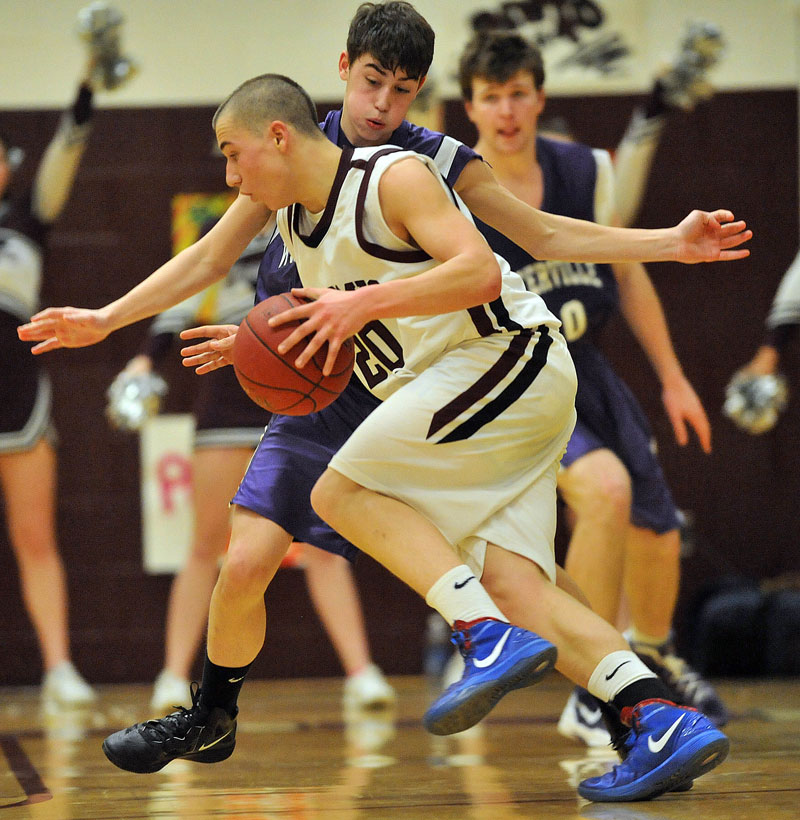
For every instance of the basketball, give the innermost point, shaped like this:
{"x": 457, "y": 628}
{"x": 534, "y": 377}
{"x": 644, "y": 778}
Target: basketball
{"x": 272, "y": 380}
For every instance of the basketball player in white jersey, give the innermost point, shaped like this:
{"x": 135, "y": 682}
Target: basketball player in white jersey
{"x": 452, "y": 478}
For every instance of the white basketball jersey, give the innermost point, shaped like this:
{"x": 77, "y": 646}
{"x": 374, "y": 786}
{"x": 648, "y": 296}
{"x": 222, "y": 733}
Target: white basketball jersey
{"x": 349, "y": 245}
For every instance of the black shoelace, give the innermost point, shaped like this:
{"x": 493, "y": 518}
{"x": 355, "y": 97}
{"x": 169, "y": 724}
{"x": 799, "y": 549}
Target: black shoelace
{"x": 176, "y": 724}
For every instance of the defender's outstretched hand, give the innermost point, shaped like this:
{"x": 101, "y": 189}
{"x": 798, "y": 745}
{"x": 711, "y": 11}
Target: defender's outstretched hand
{"x": 215, "y": 352}
{"x": 55, "y": 328}
{"x": 708, "y": 237}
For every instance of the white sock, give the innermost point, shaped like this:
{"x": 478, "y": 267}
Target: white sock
{"x": 459, "y": 596}
{"x": 616, "y": 671}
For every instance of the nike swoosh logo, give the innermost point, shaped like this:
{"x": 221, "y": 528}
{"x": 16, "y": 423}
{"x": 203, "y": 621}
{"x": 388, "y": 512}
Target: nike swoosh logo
{"x": 462, "y": 584}
{"x": 494, "y": 654}
{"x": 608, "y": 677}
{"x": 590, "y": 716}
{"x": 235, "y": 680}
{"x": 214, "y": 742}
{"x": 656, "y": 746}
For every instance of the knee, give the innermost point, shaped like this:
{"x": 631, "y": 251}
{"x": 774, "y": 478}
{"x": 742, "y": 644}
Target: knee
{"x": 518, "y": 594}
{"x": 613, "y": 493}
{"x": 600, "y": 491}
{"x": 34, "y": 544}
{"x": 245, "y": 572}
{"x": 327, "y": 495}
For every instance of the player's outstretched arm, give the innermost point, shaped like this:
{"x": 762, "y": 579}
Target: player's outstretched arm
{"x": 193, "y": 269}
{"x": 701, "y": 237}
{"x": 214, "y": 352}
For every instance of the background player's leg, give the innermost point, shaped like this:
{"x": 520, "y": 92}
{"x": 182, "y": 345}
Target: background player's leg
{"x": 652, "y": 578}
{"x": 334, "y": 594}
{"x": 597, "y": 490}
{"x": 28, "y": 480}
{"x": 237, "y": 619}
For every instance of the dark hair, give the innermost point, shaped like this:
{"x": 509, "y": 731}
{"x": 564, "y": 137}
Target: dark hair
{"x": 497, "y": 56}
{"x": 271, "y": 97}
{"x": 395, "y": 34}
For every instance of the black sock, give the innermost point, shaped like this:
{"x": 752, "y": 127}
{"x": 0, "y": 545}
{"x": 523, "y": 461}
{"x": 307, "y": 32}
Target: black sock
{"x": 643, "y": 689}
{"x": 221, "y": 686}
{"x": 617, "y": 730}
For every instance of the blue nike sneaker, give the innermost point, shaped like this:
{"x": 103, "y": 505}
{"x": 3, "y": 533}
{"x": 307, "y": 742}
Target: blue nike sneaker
{"x": 667, "y": 748}
{"x": 498, "y": 658}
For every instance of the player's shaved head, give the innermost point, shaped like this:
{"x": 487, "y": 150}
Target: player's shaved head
{"x": 268, "y": 98}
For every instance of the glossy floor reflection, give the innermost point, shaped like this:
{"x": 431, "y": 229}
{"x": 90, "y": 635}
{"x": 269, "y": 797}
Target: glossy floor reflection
{"x": 298, "y": 757}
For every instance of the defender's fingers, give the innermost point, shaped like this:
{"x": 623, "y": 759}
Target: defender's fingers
{"x": 727, "y": 228}
{"x": 46, "y": 346}
{"x": 194, "y": 350}
{"x": 722, "y": 215}
{"x": 729, "y": 256}
{"x": 735, "y": 239}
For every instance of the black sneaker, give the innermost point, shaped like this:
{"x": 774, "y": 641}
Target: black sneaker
{"x": 192, "y": 734}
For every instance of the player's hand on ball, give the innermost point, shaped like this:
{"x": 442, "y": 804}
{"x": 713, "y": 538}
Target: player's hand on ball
{"x": 214, "y": 352}
{"x": 271, "y": 378}
{"x": 709, "y": 237}
{"x": 55, "y": 328}
{"x": 332, "y": 316}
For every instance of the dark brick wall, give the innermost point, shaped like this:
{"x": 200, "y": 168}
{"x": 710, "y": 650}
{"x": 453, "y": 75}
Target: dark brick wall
{"x": 739, "y": 150}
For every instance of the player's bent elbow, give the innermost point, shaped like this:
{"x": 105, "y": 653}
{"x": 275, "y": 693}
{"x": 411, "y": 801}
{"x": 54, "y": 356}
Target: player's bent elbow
{"x": 492, "y": 280}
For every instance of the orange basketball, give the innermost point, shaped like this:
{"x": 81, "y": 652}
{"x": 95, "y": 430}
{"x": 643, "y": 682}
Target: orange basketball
{"x": 272, "y": 380}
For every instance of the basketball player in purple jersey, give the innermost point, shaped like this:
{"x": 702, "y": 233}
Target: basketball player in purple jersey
{"x": 625, "y": 523}
{"x": 378, "y": 94}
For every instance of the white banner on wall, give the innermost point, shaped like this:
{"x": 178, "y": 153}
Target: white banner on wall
{"x": 165, "y": 446}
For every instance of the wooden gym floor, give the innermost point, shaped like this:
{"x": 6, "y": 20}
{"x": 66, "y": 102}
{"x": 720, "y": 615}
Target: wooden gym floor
{"x": 297, "y": 758}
